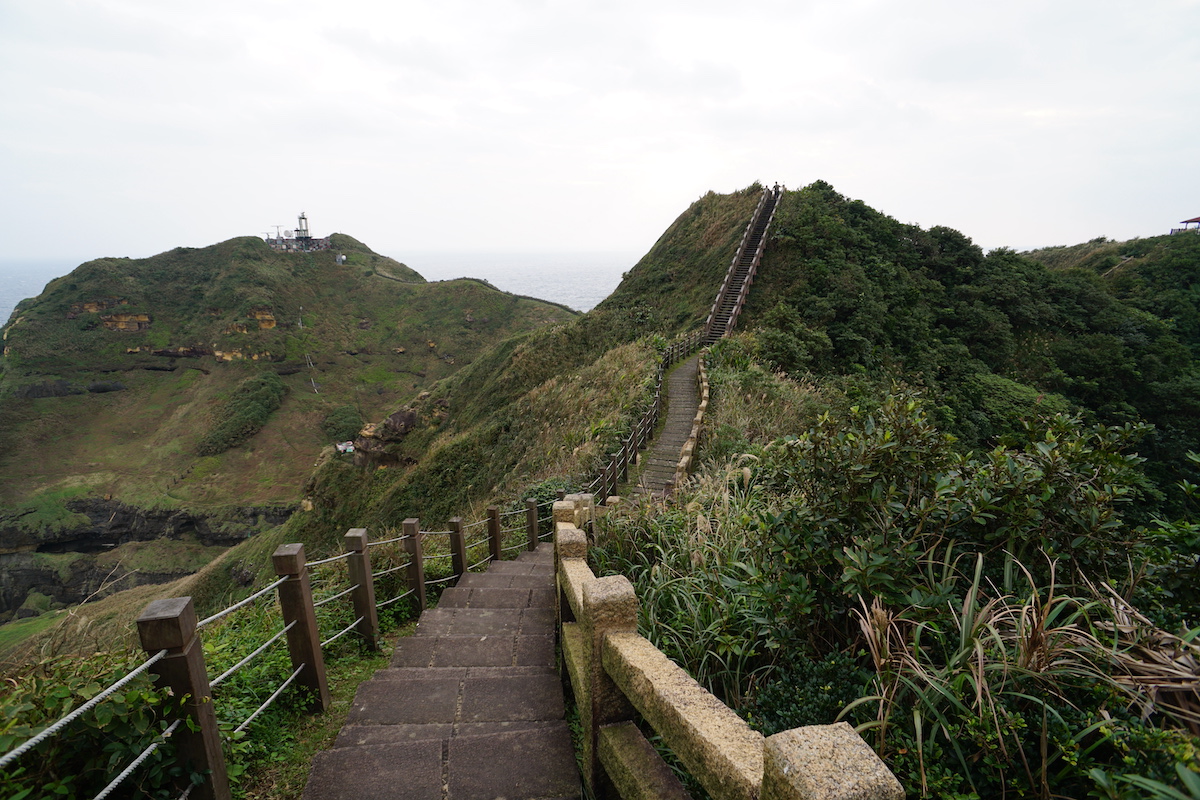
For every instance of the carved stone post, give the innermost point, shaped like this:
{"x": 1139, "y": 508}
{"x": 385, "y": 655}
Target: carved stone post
{"x": 609, "y": 605}
{"x": 304, "y": 640}
{"x": 416, "y": 561}
{"x": 170, "y": 625}
{"x": 355, "y": 541}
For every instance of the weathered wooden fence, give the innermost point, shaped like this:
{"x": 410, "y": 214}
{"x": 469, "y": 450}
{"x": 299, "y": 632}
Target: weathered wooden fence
{"x": 170, "y": 632}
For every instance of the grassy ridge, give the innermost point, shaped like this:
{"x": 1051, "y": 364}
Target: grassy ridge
{"x": 336, "y": 334}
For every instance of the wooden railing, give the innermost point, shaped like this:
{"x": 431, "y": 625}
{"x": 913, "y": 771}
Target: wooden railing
{"x": 170, "y": 631}
{"x": 620, "y": 679}
{"x": 737, "y": 255}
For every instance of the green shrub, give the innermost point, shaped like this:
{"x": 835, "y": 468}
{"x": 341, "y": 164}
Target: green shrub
{"x": 341, "y": 424}
{"x": 244, "y": 414}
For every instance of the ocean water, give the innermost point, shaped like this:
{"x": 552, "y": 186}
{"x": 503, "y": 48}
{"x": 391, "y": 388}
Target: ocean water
{"x": 577, "y": 280}
{"x": 26, "y": 278}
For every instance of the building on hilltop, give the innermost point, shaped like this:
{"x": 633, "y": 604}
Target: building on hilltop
{"x": 300, "y": 242}
{"x": 1185, "y": 229}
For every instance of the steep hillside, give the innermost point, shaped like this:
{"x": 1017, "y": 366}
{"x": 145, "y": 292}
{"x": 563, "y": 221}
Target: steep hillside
{"x": 189, "y": 394}
{"x": 673, "y": 286}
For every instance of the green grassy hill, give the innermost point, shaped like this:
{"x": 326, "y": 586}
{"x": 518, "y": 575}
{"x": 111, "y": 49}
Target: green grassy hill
{"x": 128, "y": 386}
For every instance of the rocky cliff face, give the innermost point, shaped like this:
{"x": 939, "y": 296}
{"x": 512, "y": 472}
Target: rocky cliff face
{"x": 111, "y": 523}
{"x": 25, "y": 568}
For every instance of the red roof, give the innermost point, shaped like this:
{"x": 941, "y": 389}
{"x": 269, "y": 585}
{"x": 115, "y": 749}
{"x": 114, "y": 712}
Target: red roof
{"x": 1187, "y": 221}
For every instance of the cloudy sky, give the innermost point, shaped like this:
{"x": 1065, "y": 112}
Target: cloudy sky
{"x": 128, "y": 127}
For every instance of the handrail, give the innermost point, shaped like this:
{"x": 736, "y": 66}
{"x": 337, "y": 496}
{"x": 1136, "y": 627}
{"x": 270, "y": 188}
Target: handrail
{"x": 618, "y": 676}
{"x": 53, "y": 729}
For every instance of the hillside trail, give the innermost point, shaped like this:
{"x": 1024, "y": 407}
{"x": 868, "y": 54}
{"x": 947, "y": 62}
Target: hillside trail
{"x": 471, "y": 706}
{"x": 683, "y": 399}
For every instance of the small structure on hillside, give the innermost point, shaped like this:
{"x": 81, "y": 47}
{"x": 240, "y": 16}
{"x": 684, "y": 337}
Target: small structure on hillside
{"x": 299, "y": 242}
{"x": 1185, "y": 229}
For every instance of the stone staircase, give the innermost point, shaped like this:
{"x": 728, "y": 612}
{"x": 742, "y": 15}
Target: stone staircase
{"x": 658, "y": 466}
{"x": 726, "y": 308}
{"x": 471, "y": 707}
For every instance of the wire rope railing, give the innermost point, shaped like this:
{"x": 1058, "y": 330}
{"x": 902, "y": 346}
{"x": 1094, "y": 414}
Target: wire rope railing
{"x": 137, "y": 762}
{"x": 215, "y": 682}
{"x": 242, "y": 604}
{"x": 274, "y": 696}
{"x": 55, "y": 728}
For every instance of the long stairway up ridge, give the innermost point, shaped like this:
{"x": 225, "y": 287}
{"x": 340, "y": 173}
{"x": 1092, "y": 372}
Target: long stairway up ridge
{"x": 471, "y": 707}
{"x": 736, "y": 286}
{"x": 658, "y": 466}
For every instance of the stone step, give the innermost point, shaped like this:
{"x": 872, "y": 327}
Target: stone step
{"x": 396, "y": 697}
{"x": 368, "y": 735}
{"x": 485, "y": 621}
{"x": 476, "y": 650}
{"x": 503, "y": 580}
{"x": 493, "y": 597}
{"x": 521, "y": 764}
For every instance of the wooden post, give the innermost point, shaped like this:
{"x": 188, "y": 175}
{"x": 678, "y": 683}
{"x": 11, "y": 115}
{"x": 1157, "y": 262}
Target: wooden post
{"x": 416, "y": 561}
{"x": 355, "y": 541}
{"x": 170, "y": 625}
{"x": 531, "y": 522}
{"x": 458, "y": 546}
{"x": 304, "y": 640}
{"x": 493, "y": 518}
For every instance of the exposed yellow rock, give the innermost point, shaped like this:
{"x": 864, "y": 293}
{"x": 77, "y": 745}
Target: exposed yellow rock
{"x": 266, "y": 319}
{"x": 125, "y": 322}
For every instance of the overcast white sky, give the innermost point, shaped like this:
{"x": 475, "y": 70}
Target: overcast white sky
{"x": 128, "y": 127}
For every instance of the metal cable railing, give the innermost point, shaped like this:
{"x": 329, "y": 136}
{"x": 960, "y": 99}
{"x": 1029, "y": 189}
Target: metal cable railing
{"x": 217, "y": 680}
{"x": 54, "y": 729}
{"x": 137, "y": 762}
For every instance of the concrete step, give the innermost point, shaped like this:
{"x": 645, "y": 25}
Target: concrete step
{"x": 476, "y": 650}
{"x": 494, "y": 597}
{"x": 521, "y": 764}
{"x": 484, "y": 621}
{"x": 407, "y": 700}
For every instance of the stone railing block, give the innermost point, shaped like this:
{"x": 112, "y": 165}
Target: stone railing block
{"x": 635, "y": 767}
{"x": 715, "y": 744}
{"x": 565, "y": 512}
{"x": 570, "y": 543}
{"x": 825, "y": 762}
{"x": 574, "y": 574}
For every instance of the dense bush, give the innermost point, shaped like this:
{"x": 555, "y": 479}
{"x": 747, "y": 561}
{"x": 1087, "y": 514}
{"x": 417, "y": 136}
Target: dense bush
{"x": 957, "y": 606}
{"x": 341, "y": 424}
{"x": 244, "y": 414}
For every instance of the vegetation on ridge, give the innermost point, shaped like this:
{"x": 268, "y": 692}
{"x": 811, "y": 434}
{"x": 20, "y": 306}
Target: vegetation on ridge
{"x": 931, "y": 504}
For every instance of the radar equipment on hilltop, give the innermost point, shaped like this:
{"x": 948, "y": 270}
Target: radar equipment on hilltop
{"x": 298, "y": 241}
